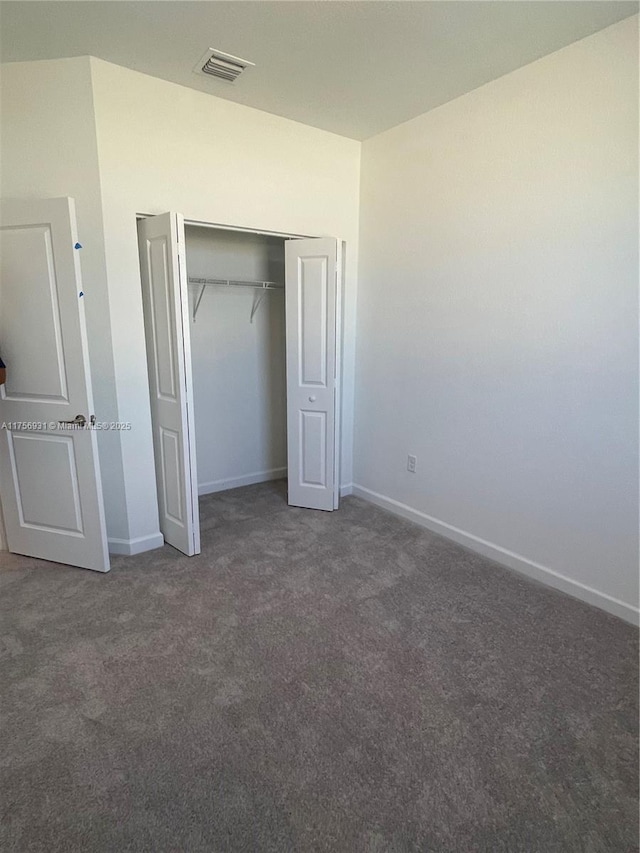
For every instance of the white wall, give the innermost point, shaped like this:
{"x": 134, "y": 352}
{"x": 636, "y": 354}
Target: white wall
{"x": 48, "y": 149}
{"x": 238, "y": 366}
{"x": 164, "y": 147}
{"x": 498, "y": 319}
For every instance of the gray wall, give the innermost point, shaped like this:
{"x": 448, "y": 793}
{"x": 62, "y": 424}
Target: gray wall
{"x": 49, "y": 149}
{"x": 497, "y": 333}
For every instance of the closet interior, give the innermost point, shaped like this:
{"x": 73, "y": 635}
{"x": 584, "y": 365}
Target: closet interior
{"x": 237, "y": 324}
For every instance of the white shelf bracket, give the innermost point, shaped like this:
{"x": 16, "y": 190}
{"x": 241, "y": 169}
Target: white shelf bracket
{"x": 198, "y": 300}
{"x": 257, "y": 302}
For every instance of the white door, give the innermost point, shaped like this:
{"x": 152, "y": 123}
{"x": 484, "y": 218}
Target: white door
{"x": 166, "y": 316}
{"x": 49, "y": 475}
{"x": 313, "y": 291}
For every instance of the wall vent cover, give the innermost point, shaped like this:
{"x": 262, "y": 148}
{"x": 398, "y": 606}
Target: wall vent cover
{"x": 224, "y": 66}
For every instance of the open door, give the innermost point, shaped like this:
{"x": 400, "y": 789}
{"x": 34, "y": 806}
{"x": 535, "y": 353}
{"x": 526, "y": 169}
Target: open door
{"x": 49, "y": 473}
{"x": 166, "y": 316}
{"x": 313, "y": 296}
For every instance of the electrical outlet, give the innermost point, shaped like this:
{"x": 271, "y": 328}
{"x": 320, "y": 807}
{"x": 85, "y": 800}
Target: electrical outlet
{"x": 412, "y": 461}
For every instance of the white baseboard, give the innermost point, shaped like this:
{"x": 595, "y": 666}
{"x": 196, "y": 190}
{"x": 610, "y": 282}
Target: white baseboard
{"x": 347, "y": 490}
{"x": 245, "y": 480}
{"x": 514, "y": 561}
{"x": 129, "y": 547}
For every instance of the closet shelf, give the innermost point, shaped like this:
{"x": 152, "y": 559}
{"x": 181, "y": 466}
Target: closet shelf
{"x": 227, "y": 282}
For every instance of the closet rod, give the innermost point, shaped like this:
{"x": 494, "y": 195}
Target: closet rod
{"x": 227, "y": 282}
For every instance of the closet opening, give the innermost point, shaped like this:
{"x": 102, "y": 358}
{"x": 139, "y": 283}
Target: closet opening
{"x": 242, "y": 333}
{"x": 238, "y": 355}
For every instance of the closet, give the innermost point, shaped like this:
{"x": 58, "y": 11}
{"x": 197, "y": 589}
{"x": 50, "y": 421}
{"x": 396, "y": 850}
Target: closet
{"x": 242, "y": 333}
{"x": 237, "y": 325}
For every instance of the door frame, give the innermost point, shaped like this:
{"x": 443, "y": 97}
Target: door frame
{"x": 341, "y": 267}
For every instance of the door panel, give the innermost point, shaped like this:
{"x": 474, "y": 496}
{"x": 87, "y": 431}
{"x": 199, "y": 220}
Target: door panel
{"x": 170, "y": 449}
{"x": 166, "y": 312}
{"x": 49, "y": 475}
{"x": 50, "y": 458}
{"x": 27, "y": 254}
{"x": 163, "y": 319}
{"x": 312, "y": 304}
{"x": 313, "y": 284}
{"x": 313, "y": 445}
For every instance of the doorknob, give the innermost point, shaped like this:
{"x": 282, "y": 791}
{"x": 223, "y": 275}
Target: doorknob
{"x": 312, "y": 399}
{"x": 79, "y": 421}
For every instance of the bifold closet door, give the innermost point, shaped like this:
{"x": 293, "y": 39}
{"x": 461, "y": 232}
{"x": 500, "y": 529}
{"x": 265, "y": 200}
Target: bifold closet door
{"x": 312, "y": 290}
{"x": 50, "y": 480}
{"x": 166, "y": 316}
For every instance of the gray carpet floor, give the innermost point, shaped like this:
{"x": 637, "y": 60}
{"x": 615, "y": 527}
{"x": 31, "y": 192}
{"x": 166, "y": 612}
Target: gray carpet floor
{"x": 312, "y": 682}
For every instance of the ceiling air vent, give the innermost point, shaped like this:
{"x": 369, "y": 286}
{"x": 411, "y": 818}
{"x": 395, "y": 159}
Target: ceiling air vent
{"x": 224, "y": 66}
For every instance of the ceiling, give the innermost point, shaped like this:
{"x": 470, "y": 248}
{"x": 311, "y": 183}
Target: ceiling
{"x": 355, "y": 68}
